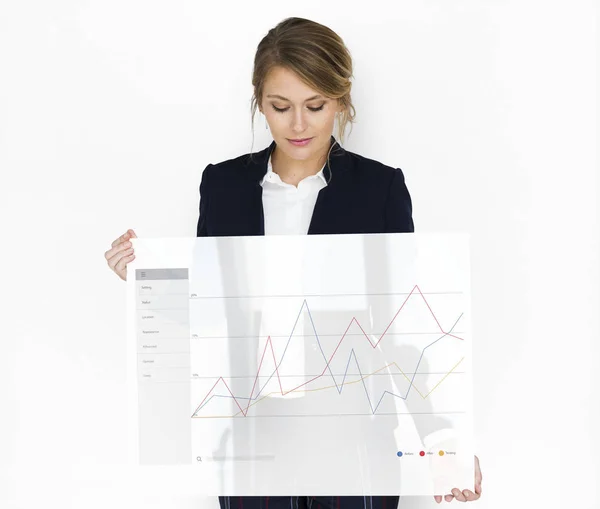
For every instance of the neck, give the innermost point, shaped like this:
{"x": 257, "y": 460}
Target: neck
{"x": 292, "y": 171}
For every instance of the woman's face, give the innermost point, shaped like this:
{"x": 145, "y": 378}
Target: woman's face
{"x": 295, "y": 111}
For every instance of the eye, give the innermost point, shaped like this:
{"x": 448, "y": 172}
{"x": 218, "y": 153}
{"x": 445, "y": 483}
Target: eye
{"x": 281, "y": 110}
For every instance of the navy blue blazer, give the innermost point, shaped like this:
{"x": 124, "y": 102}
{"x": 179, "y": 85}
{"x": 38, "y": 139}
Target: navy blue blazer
{"x": 362, "y": 196}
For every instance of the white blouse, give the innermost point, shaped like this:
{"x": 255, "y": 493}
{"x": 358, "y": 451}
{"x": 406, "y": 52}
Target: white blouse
{"x": 288, "y": 209}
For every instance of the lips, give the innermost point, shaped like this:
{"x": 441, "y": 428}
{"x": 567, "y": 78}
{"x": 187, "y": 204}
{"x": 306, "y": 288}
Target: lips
{"x": 299, "y": 142}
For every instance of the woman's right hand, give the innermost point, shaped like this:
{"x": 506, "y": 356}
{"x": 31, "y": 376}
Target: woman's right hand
{"x": 120, "y": 254}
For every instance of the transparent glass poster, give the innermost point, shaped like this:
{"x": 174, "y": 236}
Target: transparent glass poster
{"x": 305, "y": 365}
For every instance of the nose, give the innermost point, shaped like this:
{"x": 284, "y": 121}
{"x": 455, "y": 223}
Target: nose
{"x": 298, "y": 121}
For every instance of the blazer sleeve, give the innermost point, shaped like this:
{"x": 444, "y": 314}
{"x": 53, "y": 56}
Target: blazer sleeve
{"x": 201, "y": 229}
{"x": 398, "y": 206}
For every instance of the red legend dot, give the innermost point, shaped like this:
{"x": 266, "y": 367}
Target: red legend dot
{"x": 422, "y": 453}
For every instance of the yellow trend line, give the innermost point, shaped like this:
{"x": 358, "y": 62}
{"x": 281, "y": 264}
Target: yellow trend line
{"x": 346, "y": 383}
{"x": 444, "y": 377}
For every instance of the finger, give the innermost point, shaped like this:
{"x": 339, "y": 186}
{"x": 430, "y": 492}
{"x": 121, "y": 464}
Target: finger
{"x": 438, "y": 498}
{"x": 112, "y": 252}
{"x": 122, "y": 238}
{"x": 449, "y": 498}
{"x": 478, "y": 488}
{"x": 478, "y": 475}
{"x": 126, "y": 236}
{"x": 122, "y": 263}
{"x": 469, "y": 495}
{"x": 458, "y": 495}
{"x": 113, "y": 262}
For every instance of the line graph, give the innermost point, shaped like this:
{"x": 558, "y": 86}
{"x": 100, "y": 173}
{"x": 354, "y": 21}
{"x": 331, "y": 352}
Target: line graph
{"x": 253, "y": 399}
{"x": 304, "y": 364}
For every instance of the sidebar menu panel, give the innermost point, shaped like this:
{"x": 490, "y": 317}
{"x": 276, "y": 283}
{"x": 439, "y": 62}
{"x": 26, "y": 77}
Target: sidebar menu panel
{"x": 163, "y": 356}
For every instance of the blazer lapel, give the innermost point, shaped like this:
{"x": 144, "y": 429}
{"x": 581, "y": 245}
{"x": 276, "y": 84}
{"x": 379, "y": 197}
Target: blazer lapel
{"x": 330, "y": 198}
{"x": 256, "y": 171}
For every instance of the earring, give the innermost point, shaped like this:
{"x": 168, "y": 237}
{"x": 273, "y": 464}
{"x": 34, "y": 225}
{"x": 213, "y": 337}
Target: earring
{"x": 266, "y": 126}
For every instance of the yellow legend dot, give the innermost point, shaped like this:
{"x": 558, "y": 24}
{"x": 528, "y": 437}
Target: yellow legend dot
{"x": 441, "y": 453}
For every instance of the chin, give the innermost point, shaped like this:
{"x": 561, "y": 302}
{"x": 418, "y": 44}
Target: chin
{"x": 299, "y": 155}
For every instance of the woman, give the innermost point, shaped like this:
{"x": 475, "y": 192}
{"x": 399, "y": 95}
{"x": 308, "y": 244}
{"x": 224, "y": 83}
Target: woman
{"x": 303, "y": 183}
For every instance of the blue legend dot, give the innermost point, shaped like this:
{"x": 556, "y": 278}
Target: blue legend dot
{"x": 399, "y": 454}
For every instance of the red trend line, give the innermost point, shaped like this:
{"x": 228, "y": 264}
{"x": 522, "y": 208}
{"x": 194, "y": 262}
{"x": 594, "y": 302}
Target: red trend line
{"x": 276, "y": 366}
{"x": 433, "y": 314}
{"x": 234, "y": 398}
{"x": 269, "y": 341}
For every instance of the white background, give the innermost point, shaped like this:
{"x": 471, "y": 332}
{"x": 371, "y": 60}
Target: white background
{"x": 110, "y": 110}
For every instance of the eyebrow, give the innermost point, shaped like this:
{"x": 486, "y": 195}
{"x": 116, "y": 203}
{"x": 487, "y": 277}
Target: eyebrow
{"x": 277, "y": 96}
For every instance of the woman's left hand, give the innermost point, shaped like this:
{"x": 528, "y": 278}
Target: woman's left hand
{"x": 465, "y": 495}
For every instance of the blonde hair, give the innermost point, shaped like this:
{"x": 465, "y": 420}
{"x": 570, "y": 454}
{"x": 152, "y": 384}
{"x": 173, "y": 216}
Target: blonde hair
{"x": 316, "y": 54}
